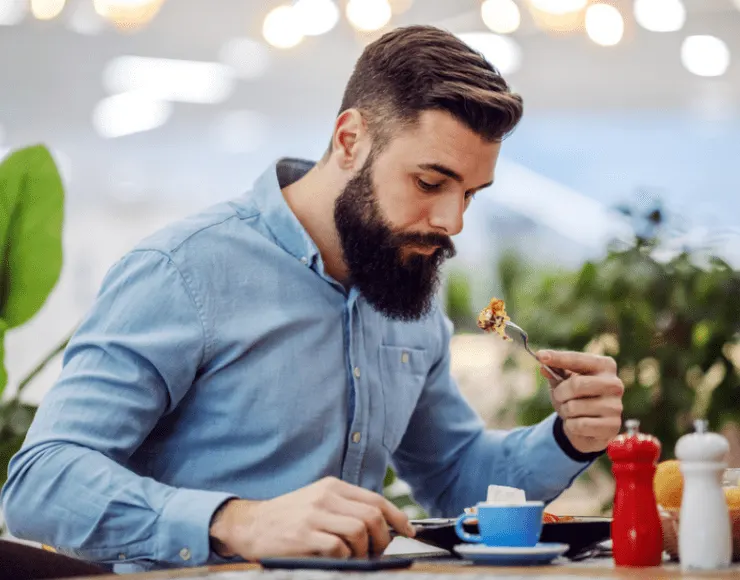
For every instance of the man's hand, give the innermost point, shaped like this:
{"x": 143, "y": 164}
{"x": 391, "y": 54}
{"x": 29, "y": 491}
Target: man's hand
{"x": 328, "y": 518}
{"x": 589, "y": 401}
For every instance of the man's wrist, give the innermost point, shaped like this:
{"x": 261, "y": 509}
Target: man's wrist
{"x": 558, "y": 430}
{"x": 217, "y": 532}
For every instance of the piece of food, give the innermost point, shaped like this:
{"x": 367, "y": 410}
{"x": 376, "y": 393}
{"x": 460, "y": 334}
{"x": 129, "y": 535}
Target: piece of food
{"x": 549, "y": 518}
{"x": 493, "y": 318}
{"x": 668, "y": 484}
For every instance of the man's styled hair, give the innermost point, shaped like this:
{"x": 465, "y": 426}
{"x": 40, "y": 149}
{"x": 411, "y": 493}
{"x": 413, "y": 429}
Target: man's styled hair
{"x": 419, "y": 68}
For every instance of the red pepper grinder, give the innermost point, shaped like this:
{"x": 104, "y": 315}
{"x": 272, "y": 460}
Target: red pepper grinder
{"x": 637, "y": 534}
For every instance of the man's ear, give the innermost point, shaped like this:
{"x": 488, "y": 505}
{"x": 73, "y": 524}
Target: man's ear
{"x": 350, "y": 141}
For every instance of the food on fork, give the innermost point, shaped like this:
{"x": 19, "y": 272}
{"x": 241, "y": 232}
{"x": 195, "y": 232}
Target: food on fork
{"x": 493, "y": 318}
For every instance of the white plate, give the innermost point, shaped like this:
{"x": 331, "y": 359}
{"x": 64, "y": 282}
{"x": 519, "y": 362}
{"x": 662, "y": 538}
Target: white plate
{"x": 540, "y": 554}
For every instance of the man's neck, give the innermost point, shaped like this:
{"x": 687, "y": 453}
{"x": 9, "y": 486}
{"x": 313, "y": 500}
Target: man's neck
{"x": 311, "y": 199}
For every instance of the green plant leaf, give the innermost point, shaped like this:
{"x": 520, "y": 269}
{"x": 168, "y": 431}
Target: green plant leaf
{"x": 3, "y": 372}
{"x": 32, "y": 204}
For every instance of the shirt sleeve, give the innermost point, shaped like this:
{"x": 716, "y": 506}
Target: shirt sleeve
{"x": 132, "y": 360}
{"x": 449, "y": 459}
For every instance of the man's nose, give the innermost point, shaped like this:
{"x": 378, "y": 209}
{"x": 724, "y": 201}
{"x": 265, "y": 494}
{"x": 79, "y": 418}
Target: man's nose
{"x": 447, "y": 214}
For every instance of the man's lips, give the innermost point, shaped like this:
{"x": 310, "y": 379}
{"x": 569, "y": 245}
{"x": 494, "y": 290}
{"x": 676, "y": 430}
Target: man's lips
{"x": 425, "y": 250}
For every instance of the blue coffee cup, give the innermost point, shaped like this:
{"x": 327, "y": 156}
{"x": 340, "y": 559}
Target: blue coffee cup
{"x": 504, "y": 524}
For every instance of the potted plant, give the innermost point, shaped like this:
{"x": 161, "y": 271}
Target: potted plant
{"x": 31, "y": 218}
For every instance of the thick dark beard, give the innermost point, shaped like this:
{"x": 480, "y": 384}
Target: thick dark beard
{"x": 397, "y": 288}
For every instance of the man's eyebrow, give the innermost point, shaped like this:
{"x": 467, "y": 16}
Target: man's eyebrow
{"x": 443, "y": 170}
{"x": 446, "y": 171}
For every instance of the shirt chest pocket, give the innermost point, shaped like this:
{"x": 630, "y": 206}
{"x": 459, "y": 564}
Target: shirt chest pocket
{"x": 403, "y": 373}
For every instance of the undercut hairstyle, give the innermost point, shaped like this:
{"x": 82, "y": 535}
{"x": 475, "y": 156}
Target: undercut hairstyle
{"x": 414, "y": 69}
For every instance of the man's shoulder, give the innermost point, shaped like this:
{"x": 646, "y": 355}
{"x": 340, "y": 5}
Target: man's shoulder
{"x": 225, "y": 223}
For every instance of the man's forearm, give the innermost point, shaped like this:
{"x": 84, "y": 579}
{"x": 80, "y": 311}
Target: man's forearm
{"x": 78, "y": 499}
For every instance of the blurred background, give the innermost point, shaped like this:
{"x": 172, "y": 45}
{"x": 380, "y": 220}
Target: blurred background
{"x": 613, "y": 225}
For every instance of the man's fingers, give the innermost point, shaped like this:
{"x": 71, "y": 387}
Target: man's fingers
{"x": 352, "y": 530}
{"x": 329, "y": 545}
{"x": 372, "y": 520}
{"x": 595, "y": 407}
{"x": 394, "y": 516}
{"x": 552, "y": 380}
{"x": 578, "y": 362}
{"x": 580, "y": 386}
{"x": 601, "y": 427}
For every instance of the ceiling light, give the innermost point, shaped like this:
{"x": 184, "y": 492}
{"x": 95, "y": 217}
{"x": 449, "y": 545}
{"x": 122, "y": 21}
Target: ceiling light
{"x": 501, "y": 16}
{"x": 170, "y": 80}
{"x": 281, "y": 27}
{"x": 604, "y": 24}
{"x": 368, "y": 15}
{"x": 316, "y": 17}
{"x": 558, "y": 6}
{"x": 249, "y": 58}
{"x": 47, "y": 9}
{"x": 128, "y": 15}
{"x": 705, "y": 56}
{"x": 660, "y": 15}
{"x": 501, "y": 51}
{"x": 12, "y": 12}
{"x": 129, "y": 113}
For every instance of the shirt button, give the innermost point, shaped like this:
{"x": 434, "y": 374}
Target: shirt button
{"x": 357, "y": 372}
{"x": 356, "y": 436}
{"x": 405, "y": 358}
{"x": 185, "y": 554}
{"x": 304, "y": 260}
{"x": 121, "y": 556}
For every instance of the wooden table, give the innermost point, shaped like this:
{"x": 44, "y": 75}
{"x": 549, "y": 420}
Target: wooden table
{"x": 601, "y": 568}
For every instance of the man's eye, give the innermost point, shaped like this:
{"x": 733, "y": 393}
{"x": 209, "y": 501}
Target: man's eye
{"x": 425, "y": 186}
{"x": 470, "y": 195}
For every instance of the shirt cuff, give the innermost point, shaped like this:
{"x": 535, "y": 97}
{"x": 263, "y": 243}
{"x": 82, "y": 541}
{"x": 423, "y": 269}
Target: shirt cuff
{"x": 564, "y": 443}
{"x": 184, "y": 524}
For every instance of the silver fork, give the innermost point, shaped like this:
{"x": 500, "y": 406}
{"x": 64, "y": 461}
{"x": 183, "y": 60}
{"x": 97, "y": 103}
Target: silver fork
{"x": 558, "y": 376}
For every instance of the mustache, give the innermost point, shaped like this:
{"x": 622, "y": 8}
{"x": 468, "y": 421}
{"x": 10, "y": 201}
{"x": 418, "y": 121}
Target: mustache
{"x": 430, "y": 240}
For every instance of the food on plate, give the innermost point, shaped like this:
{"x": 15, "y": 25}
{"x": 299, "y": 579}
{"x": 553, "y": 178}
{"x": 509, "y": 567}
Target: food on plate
{"x": 493, "y": 318}
{"x": 549, "y": 518}
{"x": 668, "y": 484}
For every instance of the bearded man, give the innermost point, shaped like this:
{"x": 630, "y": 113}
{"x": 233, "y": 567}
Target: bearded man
{"x": 246, "y": 376}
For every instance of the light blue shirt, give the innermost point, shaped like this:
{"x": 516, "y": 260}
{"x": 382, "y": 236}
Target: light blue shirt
{"x": 220, "y": 360}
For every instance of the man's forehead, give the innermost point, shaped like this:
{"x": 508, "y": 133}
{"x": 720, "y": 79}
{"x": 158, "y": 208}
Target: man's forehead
{"x": 441, "y": 141}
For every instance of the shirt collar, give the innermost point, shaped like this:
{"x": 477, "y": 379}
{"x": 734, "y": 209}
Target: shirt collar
{"x": 279, "y": 218}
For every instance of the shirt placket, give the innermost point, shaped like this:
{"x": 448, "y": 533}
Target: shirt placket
{"x": 357, "y": 372}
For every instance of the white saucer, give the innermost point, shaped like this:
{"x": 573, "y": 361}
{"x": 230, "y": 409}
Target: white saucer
{"x": 542, "y": 553}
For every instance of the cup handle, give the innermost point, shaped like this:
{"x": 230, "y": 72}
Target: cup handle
{"x": 462, "y": 534}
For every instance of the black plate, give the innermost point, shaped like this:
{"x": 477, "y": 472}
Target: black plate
{"x": 581, "y": 534}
